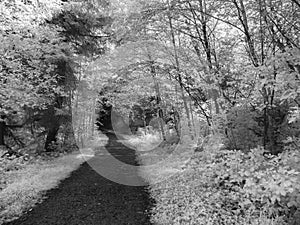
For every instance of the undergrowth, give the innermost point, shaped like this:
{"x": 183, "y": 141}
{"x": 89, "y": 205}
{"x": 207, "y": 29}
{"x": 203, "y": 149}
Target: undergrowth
{"x": 224, "y": 187}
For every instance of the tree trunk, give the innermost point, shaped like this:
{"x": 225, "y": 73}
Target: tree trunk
{"x": 2, "y": 132}
{"x": 161, "y": 124}
{"x": 242, "y": 15}
{"x": 69, "y": 139}
{"x": 193, "y": 119}
{"x": 52, "y": 123}
{"x": 69, "y": 136}
{"x": 176, "y": 121}
{"x": 93, "y": 119}
{"x": 179, "y": 76}
{"x": 203, "y": 37}
{"x": 51, "y": 137}
{"x": 158, "y": 100}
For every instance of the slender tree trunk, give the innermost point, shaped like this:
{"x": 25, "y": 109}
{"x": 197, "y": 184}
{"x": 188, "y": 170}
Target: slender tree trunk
{"x": 176, "y": 121}
{"x": 2, "y": 132}
{"x": 93, "y": 118}
{"x": 214, "y": 94}
{"x": 145, "y": 123}
{"x": 158, "y": 100}
{"x": 76, "y": 116}
{"x": 203, "y": 38}
{"x": 83, "y": 126}
{"x": 296, "y": 2}
{"x": 242, "y": 15}
{"x": 179, "y": 75}
{"x": 193, "y": 120}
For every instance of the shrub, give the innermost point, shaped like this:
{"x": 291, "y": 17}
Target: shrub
{"x": 231, "y": 187}
{"x": 253, "y": 181}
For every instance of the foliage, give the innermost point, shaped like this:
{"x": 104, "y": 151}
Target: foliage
{"x": 28, "y": 53}
{"x": 41, "y": 43}
{"x": 231, "y": 64}
{"x": 226, "y": 56}
{"x": 243, "y": 127}
{"x": 29, "y": 74}
{"x": 230, "y": 187}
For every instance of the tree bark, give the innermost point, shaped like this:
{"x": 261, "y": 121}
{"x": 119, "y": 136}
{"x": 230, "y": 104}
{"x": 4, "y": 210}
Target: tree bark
{"x": 51, "y": 137}
{"x": 52, "y": 123}
{"x": 193, "y": 119}
{"x": 69, "y": 139}
{"x": 69, "y": 136}
{"x": 2, "y": 132}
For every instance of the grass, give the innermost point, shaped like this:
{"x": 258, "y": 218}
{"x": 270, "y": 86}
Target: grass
{"x": 27, "y": 184}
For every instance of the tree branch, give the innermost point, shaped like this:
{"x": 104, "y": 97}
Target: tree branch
{"x": 296, "y": 2}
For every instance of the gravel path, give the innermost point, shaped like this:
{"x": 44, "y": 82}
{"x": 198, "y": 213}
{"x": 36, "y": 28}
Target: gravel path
{"x": 87, "y": 198}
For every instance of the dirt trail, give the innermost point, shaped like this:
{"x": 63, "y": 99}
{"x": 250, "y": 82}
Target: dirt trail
{"x": 87, "y": 198}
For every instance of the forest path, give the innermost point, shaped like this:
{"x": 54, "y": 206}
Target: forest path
{"x": 87, "y": 198}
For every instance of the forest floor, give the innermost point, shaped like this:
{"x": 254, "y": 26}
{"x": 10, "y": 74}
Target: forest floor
{"x": 87, "y": 197}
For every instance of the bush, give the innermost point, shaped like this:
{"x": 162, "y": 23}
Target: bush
{"x": 252, "y": 181}
{"x": 245, "y": 128}
{"x": 231, "y": 187}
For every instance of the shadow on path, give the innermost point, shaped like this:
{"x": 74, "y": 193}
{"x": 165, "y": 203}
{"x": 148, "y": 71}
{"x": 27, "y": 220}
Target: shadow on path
{"x": 87, "y": 198}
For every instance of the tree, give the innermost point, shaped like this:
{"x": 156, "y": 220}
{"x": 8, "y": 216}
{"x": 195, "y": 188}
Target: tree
{"x": 41, "y": 44}
{"x": 80, "y": 26}
{"x": 29, "y": 49}
{"x": 231, "y": 57}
